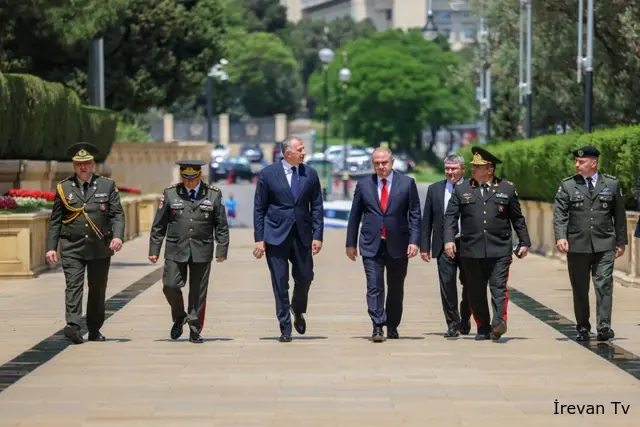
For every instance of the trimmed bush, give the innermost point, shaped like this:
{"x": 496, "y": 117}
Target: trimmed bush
{"x": 536, "y": 166}
{"x": 39, "y": 120}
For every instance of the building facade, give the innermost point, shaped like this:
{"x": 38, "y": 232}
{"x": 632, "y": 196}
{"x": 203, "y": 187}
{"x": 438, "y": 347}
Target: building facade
{"x": 453, "y": 18}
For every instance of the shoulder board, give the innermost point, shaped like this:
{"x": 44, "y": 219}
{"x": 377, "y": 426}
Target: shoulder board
{"x": 568, "y": 178}
{"x": 66, "y": 179}
{"x": 213, "y": 187}
{"x": 104, "y": 177}
{"x": 609, "y": 176}
{"x": 507, "y": 182}
{"x": 172, "y": 186}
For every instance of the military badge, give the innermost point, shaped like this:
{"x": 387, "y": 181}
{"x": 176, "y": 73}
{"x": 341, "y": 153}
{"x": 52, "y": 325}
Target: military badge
{"x": 206, "y": 215}
{"x": 500, "y": 208}
{"x": 604, "y": 205}
{"x": 70, "y": 197}
{"x": 103, "y": 207}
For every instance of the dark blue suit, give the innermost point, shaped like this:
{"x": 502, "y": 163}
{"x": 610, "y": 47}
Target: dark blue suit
{"x": 402, "y": 222}
{"x": 287, "y": 225}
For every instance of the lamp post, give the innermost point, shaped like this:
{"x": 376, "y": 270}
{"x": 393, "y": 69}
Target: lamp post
{"x": 485, "y": 77}
{"x": 430, "y": 30}
{"x": 326, "y": 56}
{"x": 587, "y": 61}
{"x": 345, "y": 76}
{"x": 526, "y": 87}
{"x": 215, "y": 72}
{"x": 96, "y": 72}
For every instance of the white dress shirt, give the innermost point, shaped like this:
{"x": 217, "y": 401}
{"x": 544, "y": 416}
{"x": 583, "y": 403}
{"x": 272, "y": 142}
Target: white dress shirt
{"x": 288, "y": 172}
{"x": 448, "y": 190}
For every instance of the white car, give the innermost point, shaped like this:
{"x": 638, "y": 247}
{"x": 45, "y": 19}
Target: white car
{"x": 220, "y": 153}
{"x": 336, "y": 213}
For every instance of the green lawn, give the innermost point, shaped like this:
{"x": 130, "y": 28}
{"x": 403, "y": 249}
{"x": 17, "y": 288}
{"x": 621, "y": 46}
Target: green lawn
{"x": 427, "y": 174}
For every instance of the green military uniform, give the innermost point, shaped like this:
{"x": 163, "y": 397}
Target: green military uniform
{"x": 592, "y": 217}
{"x": 486, "y": 212}
{"x": 84, "y": 219}
{"x": 190, "y": 222}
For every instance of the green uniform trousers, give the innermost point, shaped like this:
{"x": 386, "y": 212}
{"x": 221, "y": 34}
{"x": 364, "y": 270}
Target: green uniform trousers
{"x": 599, "y": 266}
{"x": 97, "y": 276}
{"x": 174, "y": 279}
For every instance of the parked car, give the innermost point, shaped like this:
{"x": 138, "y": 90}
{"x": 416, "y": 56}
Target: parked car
{"x": 237, "y": 167}
{"x": 252, "y": 152}
{"x": 336, "y": 213}
{"x": 219, "y": 153}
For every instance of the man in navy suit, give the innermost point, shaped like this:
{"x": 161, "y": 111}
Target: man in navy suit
{"x": 288, "y": 226}
{"x": 432, "y": 245}
{"x": 388, "y": 206}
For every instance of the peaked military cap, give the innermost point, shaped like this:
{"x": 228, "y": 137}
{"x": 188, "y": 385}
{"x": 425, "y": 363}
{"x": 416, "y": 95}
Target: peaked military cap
{"x": 586, "y": 151}
{"x": 82, "y": 152}
{"x": 483, "y": 157}
{"x": 190, "y": 169}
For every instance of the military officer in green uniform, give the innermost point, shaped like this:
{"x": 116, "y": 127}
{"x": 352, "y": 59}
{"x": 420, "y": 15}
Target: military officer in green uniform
{"x": 190, "y": 215}
{"x": 487, "y": 207}
{"x": 590, "y": 226}
{"x": 88, "y": 222}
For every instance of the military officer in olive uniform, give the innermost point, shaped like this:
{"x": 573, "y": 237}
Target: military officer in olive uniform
{"x": 87, "y": 220}
{"x": 487, "y": 207}
{"x": 190, "y": 215}
{"x": 590, "y": 226}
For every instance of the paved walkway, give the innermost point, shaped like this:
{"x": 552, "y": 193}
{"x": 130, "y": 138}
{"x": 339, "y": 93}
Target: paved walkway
{"x": 333, "y": 376}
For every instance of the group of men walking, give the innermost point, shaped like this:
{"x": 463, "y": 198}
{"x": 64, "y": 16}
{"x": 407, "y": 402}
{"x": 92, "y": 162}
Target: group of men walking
{"x": 466, "y": 227}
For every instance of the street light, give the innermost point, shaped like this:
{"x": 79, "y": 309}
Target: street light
{"x": 345, "y": 76}
{"x": 526, "y": 87}
{"x": 326, "y": 56}
{"x": 587, "y": 61}
{"x": 485, "y": 77}
{"x": 215, "y": 72}
{"x": 430, "y": 30}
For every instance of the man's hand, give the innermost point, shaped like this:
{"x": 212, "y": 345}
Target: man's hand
{"x": 450, "y": 249}
{"x": 352, "y": 253}
{"x": 316, "y": 245}
{"x": 620, "y": 250}
{"x": 412, "y": 250}
{"x": 51, "y": 257}
{"x": 258, "y": 251}
{"x": 221, "y": 258}
{"x": 116, "y": 244}
{"x": 426, "y": 256}
{"x": 523, "y": 251}
{"x": 153, "y": 258}
{"x": 562, "y": 245}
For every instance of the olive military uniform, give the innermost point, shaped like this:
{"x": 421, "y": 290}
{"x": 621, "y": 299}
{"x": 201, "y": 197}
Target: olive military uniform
{"x": 190, "y": 224}
{"x": 84, "y": 219}
{"x": 487, "y": 213}
{"x": 591, "y": 216}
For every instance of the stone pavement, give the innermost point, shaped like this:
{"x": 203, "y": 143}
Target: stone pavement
{"x": 332, "y": 376}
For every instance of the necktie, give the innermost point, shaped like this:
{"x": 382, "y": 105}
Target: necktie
{"x": 384, "y": 197}
{"x": 85, "y": 188}
{"x": 192, "y": 194}
{"x": 294, "y": 182}
{"x": 590, "y": 184}
{"x": 485, "y": 189}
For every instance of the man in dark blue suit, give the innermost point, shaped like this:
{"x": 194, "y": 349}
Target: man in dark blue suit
{"x": 432, "y": 244}
{"x": 288, "y": 226}
{"x": 388, "y": 207}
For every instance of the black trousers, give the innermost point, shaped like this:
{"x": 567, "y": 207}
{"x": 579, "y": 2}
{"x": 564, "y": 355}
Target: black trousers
{"x": 479, "y": 272}
{"x": 301, "y": 258}
{"x": 447, "y": 272}
{"x": 174, "y": 278}
{"x": 374, "y": 269}
{"x": 97, "y": 277}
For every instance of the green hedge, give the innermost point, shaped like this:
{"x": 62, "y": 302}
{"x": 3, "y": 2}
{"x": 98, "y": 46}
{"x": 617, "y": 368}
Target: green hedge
{"x": 536, "y": 166}
{"x": 39, "y": 120}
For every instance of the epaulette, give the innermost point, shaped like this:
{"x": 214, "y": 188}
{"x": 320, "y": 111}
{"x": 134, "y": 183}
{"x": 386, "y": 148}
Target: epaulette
{"x": 212, "y": 187}
{"x": 172, "y": 186}
{"x": 104, "y": 177}
{"x": 508, "y": 182}
{"x": 66, "y": 179}
{"x": 609, "y": 176}
{"x": 568, "y": 178}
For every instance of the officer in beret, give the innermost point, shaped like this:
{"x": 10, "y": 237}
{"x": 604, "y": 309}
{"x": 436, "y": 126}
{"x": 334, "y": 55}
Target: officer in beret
{"x": 590, "y": 226}
{"x": 487, "y": 207}
{"x": 88, "y": 222}
{"x": 191, "y": 215}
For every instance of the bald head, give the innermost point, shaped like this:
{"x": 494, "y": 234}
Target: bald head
{"x": 382, "y": 160}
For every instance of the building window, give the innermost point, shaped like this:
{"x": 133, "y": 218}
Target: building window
{"x": 446, "y": 33}
{"x": 389, "y": 14}
{"x": 469, "y": 33}
{"x": 444, "y": 15}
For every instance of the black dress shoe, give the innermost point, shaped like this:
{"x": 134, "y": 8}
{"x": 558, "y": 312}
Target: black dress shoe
{"x": 583, "y": 335}
{"x": 377, "y": 335}
{"x": 96, "y": 336}
{"x": 299, "y": 322}
{"x": 605, "y": 334}
{"x": 285, "y": 338}
{"x": 465, "y": 326}
{"x": 498, "y": 330}
{"x": 392, "y": 333}
{"x": 452, "y": 332}
{"x": 73, "y": 333}
{"x": 176, "y": 329}
{"x": 195, "y": 338}
{"x": 482, "y": 337}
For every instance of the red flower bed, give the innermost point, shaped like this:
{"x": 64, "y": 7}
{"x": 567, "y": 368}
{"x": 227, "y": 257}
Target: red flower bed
{"x": 7, "y": 203}
{"x": 49, "y": 196}
{"x": 129, "y": 190}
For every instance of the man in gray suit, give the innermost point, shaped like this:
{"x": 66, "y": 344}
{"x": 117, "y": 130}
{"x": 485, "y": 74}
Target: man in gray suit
{"x": 590, "y": 226}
